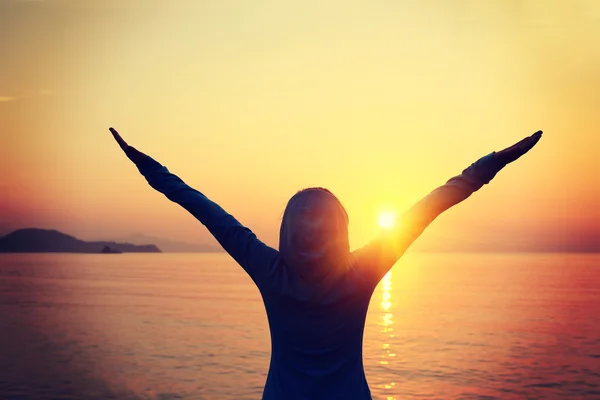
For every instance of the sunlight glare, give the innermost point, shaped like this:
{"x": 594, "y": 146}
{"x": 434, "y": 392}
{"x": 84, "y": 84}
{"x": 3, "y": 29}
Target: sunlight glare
{"x": 386, "y": 219}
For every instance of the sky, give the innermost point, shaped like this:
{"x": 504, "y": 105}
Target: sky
{"x": 248, "y": 102}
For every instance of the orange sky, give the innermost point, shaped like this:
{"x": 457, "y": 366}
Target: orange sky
{"x": 250, "y": 101}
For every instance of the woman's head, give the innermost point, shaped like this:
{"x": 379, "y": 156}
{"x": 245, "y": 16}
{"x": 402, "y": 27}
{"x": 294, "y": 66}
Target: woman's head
{"x": 313, "y": 239}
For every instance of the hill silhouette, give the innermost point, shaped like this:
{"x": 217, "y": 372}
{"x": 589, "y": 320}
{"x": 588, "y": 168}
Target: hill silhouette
{"x": 33, "y": 240}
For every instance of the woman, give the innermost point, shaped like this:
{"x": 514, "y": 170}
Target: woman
{"x": 315, "y": 290}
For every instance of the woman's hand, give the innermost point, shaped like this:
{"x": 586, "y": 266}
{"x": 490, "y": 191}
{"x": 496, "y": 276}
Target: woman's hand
{"x": 515, "y": 151}
{"x": 118, "y": 138}
{"x": 131, "y": 152}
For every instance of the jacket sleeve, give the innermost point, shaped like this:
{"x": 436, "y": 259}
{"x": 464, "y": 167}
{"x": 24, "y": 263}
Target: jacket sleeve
{"x": 376, "y": 258}
{"x": 240, "y": 242}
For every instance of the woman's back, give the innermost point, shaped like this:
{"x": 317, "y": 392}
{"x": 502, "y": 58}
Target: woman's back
{"x": 316, "y": 337}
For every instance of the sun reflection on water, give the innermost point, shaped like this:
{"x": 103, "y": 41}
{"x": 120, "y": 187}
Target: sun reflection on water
{"x": 387, "y": 326}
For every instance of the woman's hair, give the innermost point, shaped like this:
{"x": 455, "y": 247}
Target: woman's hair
{"x": 305, "y": 191}
{"x": 313, "y": 239}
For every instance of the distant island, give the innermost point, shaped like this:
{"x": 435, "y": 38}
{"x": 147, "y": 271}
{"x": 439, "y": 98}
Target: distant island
{"x": 108, "y": 250}
{"x": 170, "y": 246}
{"x": 33, "y": 240}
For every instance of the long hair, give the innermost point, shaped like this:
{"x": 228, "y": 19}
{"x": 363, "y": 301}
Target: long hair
{"x": 313, "y": 239}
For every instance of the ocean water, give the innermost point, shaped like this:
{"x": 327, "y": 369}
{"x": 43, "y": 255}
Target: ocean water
{"x": 192, "y": 326}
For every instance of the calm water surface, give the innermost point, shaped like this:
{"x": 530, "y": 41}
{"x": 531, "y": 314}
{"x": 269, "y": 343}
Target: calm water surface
{"x": 179, "y": 326}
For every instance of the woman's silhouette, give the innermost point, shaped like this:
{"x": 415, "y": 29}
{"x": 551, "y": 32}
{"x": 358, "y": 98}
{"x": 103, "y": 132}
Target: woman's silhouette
{"x": 315, "y": 290}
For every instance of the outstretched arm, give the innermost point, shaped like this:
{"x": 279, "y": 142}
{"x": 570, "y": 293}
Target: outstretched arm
{"x": 375, "y": 259}
{"x": 252, "y": 254}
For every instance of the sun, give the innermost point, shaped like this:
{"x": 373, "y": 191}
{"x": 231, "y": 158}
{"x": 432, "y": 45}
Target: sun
{"x": 386, "y": 219}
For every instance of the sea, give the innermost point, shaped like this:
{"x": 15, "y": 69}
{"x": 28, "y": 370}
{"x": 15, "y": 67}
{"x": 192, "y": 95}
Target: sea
{"x": 192, "y": 326}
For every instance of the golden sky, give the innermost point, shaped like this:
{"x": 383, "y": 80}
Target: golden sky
{"x": 249, "y": 101}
